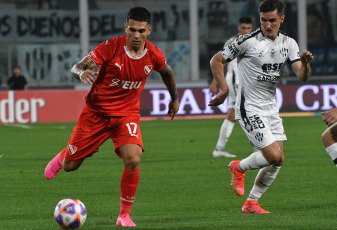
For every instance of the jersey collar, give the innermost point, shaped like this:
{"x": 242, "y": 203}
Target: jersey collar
{"x": 135, "y": 57}
{"x": 278, "y": 35}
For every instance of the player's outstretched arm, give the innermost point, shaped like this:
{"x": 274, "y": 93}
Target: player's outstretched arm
{"x": 330, "y": 116}
{"x": 168, "y": 78}
{"x": 83, "y": 71}
{"x": 217, "y": 64}
{"x": 302, "y": 68}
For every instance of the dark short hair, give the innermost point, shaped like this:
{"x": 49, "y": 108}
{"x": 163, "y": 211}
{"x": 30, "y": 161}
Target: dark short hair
{"x": 271, "y": 5}
{"x": 139, "y": 14}
{"x": 246, "y": 20}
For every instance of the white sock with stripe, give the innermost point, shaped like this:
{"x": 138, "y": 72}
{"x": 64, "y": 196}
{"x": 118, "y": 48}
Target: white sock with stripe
{"x": 263, "y": 180}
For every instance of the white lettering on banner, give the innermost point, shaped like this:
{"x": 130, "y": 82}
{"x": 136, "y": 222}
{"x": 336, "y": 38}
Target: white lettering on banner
{"x": 35, "y": 102}
{"x": 157, "y": 101}
{"x": 208, "y": 109}
{"x": 327, "y": 97}
{"x": 10, "y": 104}
{"x": 11, "y": 111}
{"x": 21, "y": 107}
{"x": 299, "y": 97}
{"x": 188, "y": 99}
{"x": 162, "y": 98}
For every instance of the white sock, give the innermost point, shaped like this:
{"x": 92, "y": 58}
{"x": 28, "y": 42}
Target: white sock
{"x": 256, "y": 160}
{"x": 332, "y": 151}
{"x": 225, "y": 131}
{"x": 263, "y": 180}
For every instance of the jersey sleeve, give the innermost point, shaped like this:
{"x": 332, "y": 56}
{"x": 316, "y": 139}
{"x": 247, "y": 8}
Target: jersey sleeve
{"x": 160, "y": 60}
{"x": 101, "y": 53}
{"x": 235, "y": 48}
{"x": 229, "y": 41}
{"x": 294, "y": 51}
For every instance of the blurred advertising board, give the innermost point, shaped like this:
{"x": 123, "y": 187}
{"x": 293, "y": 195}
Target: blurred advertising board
{"x": 46, "y": 106}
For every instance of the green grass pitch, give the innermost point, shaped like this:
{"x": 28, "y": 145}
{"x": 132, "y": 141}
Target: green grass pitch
{"x": 181, "y": 186}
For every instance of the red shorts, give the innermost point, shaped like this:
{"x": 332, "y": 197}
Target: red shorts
{"x": 91, "y": 131}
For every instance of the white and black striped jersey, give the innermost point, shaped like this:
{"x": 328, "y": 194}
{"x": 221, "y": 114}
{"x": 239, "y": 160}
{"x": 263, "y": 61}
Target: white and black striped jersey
{"x": 260, "y": 61}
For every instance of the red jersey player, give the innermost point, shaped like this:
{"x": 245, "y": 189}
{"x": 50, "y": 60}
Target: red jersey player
{"x": 112, "y": 105}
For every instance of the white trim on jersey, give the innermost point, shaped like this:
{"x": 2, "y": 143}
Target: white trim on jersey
{"x": 135, "y": 57}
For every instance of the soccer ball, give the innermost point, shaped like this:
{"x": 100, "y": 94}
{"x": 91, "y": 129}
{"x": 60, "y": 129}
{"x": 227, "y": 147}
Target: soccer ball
{"x": 70, "y": 213}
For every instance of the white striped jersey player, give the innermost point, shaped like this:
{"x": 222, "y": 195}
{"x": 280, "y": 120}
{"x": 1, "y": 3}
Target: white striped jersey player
{"x": 260, "y": 61}
{"x": 260, "y": 68}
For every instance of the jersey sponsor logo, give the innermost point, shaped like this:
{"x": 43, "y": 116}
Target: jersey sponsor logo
{"x": 271, "y": 67}
{"x": 148, "y": 69}
{"x": 72, "y": 149}
{"x": 119, "y": 66}
{"x": 264, "y": 78}
{"x": 115, "y": 82}
{"x": 125, "y": 84}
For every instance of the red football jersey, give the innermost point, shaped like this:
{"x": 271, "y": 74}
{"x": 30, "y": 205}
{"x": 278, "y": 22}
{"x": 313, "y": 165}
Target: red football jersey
{"x": 121, "y": 77}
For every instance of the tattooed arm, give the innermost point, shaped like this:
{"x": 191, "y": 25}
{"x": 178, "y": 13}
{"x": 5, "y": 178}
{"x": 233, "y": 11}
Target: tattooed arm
{"x": 168, "y": 78}
{"x": 83, "y": 71}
